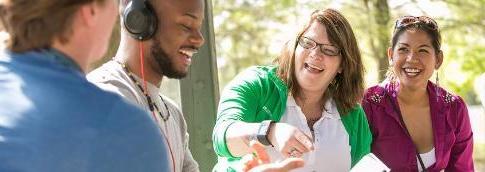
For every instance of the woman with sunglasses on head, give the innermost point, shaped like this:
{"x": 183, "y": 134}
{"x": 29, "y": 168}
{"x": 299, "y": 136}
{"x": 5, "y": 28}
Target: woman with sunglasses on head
{"x": 417, "y": 125}
{"x": 306, "y": 105}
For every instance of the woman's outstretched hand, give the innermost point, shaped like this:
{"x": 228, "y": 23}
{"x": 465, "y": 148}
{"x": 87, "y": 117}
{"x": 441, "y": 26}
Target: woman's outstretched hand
{"x": 259, "y": 161}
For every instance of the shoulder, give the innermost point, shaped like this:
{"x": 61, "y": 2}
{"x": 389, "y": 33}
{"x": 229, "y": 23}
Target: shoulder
{"x": 374, "y": 94}
{"x": 108, "y": 72}
{"x": 356, "y": 113}
{"x": 252, "y": 77}
{"x": 255, "y": 73}
{"x": 445, "y": 97}
{"x": 111, "y": 77}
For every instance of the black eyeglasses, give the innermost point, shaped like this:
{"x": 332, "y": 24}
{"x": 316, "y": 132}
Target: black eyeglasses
{"x": 326, "y": 49}
{"x": 406, "y": 21}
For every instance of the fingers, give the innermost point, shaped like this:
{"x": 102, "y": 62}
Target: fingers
{"x": 294, "y": 154}
{"x": 304, "y": 140}
{"x": 258, "y": 157}
{"x": 296, "y": 150}
{"x": 284, "y": 166}
{"x": 260, "y": 151}
{"x": 250, "y": 162}
{"x": 298, "y": 145}
{"x": 291, "y": 163}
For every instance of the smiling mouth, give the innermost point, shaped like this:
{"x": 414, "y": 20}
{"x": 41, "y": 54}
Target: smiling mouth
{"x": 313, "y": 68}
{"x": 412, "y": 71}
{"x": 188, "y": 52}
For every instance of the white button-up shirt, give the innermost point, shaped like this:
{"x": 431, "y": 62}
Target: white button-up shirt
{"x": 331, "y": 140}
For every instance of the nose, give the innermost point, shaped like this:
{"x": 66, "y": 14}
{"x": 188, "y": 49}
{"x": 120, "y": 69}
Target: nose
{"x": 316, "y": 54}
{"x": 197, "y": 38}
{"x": 412, "y": 57}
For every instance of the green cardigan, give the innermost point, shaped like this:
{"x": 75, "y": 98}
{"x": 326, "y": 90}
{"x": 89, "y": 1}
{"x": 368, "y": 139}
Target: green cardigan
{"x": 258, "y": 94}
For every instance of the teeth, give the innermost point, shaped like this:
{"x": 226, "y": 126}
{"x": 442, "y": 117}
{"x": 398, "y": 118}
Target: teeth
{"x": 188, "y": 52}
{"x": 411, "y": 70}
{"x": 313, "y": 66}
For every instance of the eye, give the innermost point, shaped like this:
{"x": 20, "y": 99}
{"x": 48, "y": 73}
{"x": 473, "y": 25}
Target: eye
{"x": 307, "y": 43}
{"x": 330, "y": 51}
{"x": 403, "y": 49}
{"x": 423, "y": 51}
{"x": 186, "y": 27}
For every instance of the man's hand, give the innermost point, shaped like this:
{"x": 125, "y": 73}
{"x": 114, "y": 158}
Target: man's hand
{"x": 260, "y": 162}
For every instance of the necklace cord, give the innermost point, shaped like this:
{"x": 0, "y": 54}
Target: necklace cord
{"x": 151, "y": 104}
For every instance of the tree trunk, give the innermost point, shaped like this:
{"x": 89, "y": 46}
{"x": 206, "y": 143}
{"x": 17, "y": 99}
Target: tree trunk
{"x": 379, "y": 17}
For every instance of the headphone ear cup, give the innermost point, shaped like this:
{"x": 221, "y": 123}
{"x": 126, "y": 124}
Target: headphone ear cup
{"x": 139, "y": 20}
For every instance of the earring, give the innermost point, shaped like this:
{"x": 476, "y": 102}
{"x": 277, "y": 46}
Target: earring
{"x": 437, "y": 78}
{"x": 437, "y": 85}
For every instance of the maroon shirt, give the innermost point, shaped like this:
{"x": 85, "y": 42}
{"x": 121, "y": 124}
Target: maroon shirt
{"x": 452, "y": 134}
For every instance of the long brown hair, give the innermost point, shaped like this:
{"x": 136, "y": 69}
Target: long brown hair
{"x": 35, "y": 24}
{"x": 348, "y": 87}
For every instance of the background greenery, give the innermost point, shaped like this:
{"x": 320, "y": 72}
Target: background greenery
{"x": 250, "y": 32}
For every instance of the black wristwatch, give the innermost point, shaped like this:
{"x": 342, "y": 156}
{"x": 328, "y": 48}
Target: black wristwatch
{"x": 263, "y": 132}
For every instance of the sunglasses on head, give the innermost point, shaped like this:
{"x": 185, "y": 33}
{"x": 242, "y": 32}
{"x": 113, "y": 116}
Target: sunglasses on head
{"x": 406, "y": 21}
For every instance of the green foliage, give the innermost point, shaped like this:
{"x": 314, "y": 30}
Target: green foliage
{"x": 464, "y": 47}
{"x": 245, "y": 28}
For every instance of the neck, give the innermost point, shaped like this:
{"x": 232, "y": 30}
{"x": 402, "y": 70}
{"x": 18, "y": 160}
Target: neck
{"x": 309, "y": 99}
{"x": 79, "y": 57}
{"x": 129, "y": 52}
{"x": 412, "y": 95}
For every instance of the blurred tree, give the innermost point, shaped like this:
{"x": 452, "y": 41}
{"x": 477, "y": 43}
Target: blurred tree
{"x": 378, "y": 31}
{"x": 244, "y": 29}
{"x": 464, "y": 39}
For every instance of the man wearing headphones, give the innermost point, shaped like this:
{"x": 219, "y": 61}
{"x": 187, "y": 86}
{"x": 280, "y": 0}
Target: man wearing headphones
{"x": 51, "y": 118}
{"x": 158, "y": 38}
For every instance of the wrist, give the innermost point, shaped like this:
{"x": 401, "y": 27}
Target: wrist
{"x": 263, "y": 133}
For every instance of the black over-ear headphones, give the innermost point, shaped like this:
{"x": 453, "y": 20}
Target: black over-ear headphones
{"x": 139, "y": 19}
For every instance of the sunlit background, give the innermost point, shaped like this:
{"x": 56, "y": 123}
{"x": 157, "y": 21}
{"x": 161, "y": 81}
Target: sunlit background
{"x": 251, "y": 32}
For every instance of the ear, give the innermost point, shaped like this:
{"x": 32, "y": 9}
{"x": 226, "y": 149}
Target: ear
{"x": 87, "y": 14}
{"x": 439, "y": 59}
{"x": 390, "y": 52}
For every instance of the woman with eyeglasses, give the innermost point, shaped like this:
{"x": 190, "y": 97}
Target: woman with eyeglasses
{"x": 306, "y": 105}
{"x": 416, "y": 124}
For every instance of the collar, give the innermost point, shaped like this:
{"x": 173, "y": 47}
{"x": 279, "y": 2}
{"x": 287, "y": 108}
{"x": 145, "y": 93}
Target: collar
{"x": 330, "y": 110}
{"x": 61, "y": 58}
{"x": 152, "y": 88}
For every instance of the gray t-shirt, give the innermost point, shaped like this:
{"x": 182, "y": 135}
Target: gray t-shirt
{"x": 112, "y": 77}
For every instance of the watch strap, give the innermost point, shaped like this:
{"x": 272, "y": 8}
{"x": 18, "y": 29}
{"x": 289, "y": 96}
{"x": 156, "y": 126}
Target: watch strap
{"x": 263, "y": 132}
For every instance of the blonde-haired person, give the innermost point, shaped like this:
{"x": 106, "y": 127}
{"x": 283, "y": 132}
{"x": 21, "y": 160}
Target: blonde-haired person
{"x": 416, "y": 124}
{"x": 305, "y": 105}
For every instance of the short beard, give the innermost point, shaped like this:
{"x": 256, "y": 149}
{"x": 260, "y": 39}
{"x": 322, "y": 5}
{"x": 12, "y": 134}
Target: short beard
{"x": 165, "y": 63}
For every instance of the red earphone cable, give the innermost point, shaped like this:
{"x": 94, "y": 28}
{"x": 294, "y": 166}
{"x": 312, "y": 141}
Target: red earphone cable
{"x": 142, "y": 71}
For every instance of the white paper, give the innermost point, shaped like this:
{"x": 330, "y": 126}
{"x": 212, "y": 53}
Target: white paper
{"x": 370, "y": 163}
